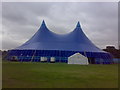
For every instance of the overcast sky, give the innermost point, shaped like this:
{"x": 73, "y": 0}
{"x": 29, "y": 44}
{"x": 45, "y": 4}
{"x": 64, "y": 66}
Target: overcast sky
{"x": 99, "y": 21}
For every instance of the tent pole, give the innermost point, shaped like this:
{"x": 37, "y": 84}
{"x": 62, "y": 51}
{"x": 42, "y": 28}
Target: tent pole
{"x": 86, "y": 56}
{"x": 33, "y": 55}
{"x": 85, "y": 53}
{"x": 59, "y": 57}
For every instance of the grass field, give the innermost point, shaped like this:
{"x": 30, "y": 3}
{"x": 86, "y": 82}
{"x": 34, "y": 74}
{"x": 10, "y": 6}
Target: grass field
{"x": 58, "y": 75}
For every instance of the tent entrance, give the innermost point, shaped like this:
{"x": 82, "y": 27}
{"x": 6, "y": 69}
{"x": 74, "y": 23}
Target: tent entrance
{"x": 91, "y": 60}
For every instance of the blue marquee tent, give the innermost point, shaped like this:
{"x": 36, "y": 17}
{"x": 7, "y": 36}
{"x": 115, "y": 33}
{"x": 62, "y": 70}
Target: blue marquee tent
{"x": 46, "y": 43}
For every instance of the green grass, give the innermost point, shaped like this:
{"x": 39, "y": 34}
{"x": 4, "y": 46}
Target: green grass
{"x": 58, "y": 75}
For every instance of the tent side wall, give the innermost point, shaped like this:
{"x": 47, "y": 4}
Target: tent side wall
{"x": 60, "y": 56}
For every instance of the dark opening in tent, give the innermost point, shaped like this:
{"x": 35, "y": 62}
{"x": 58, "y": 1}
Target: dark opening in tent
{"x": 46, "y": 44}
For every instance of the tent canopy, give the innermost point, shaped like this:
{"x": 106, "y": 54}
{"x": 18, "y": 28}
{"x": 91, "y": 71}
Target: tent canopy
{"x": 44, "y": 39}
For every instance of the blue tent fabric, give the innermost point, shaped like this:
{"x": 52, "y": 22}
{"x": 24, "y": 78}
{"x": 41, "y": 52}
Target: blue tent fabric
{"x": 44, "y": 39}
{"x": 47, "y": 43}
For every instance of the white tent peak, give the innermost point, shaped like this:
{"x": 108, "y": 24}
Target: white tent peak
{"x": 77, "y": 54}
